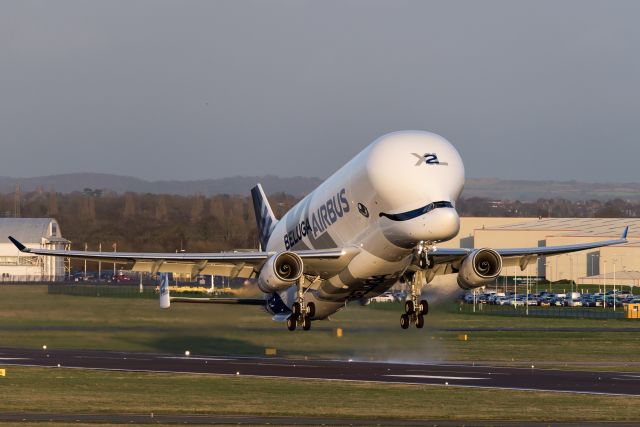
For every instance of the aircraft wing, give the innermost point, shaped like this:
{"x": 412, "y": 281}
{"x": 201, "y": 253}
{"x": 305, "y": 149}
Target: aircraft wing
{"x": 321, "y": 262}
{"x": 520, "y": 256}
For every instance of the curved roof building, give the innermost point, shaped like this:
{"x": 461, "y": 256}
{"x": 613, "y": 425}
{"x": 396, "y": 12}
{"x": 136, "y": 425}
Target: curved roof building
{"x": 34, "y": 233}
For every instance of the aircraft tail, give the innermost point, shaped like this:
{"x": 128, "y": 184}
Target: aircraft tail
{"x": 265, "y": 219}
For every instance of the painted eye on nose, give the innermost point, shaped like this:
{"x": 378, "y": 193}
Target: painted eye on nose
{"x": 363, "y": 210}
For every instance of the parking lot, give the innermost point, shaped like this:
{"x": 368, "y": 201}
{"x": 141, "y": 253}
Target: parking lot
{"x": 610, "y": 304}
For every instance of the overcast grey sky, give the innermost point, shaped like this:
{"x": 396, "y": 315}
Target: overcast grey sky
{"x": 207, "y": 89}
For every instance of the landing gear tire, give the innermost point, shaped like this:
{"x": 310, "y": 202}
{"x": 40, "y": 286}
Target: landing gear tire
{"x": 311, "y": 309}
{"x": 291, "y": 323}
{"x": 409, "y": 307}
{"x": 404, "y": 321}
{"x": 424, "y": 307}
{"x": 306, "y": 323}
{"x": 296, "y": 309}
{"x": 419, "y": 321}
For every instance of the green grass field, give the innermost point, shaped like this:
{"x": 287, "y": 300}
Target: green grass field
{"x": 31, "y": 318}
{"x": 81, "y": 391}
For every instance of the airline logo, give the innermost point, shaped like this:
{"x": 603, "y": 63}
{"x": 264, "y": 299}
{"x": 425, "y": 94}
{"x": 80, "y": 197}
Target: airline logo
{"x": 319, "y": 222}
{"x": 428, "y": 159}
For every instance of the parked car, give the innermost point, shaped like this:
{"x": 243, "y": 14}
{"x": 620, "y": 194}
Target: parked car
{"x": 557, "y": 302}
{"x": 385, "y": 297}
{"x": 516, "y": 302}
{"x": 573, "y": 303}
{"x": 544, "y": 302}
{"x": 121, "y": 278}
{"x": 503, "y": 301}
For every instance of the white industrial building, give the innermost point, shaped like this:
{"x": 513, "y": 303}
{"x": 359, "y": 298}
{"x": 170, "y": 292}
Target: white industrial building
{"x": 600, "y": 265}
{"x": 16, "y": 266}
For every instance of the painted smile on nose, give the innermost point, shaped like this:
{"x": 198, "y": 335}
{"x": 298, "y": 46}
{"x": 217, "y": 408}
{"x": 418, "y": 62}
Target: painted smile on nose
{"x": 434, "y": 222}
{"x": 405, "y": 216}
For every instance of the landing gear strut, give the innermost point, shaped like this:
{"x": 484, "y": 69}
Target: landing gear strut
{"x": 415, "y": 309}
{"x": 420, "y": 255}
{"x": 301, "y": 312}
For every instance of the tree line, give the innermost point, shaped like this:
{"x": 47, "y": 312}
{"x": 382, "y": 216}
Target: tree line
{"x": 147, "y": 222}
{"x": 168, "y": 223}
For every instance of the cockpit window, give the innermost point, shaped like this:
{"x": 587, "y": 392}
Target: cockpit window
{"x": 404, "y": 216}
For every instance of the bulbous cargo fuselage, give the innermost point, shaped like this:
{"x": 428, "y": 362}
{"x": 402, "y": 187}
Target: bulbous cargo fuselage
{"x": 397, "y": 192}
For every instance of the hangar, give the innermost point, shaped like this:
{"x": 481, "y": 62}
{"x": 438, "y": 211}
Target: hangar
{"x": 585, "y": 267}
{"x": 16, "y": 266}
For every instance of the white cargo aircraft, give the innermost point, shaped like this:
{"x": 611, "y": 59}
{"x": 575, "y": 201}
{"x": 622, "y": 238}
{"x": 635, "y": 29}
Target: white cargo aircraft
{"x": 375, "y": 221}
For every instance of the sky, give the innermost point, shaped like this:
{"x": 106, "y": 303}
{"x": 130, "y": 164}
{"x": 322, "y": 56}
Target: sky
{"x": 191, "y": 89}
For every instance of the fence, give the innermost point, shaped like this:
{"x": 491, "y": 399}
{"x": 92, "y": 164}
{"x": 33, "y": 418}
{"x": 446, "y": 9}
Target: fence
{"x": 120, "y": 290}
{"x": 117, "y": 290}
{"x": 535, "y": 311}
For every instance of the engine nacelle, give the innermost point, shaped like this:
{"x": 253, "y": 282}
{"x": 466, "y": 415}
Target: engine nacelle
{"x": 280, "y": 272}
{"x": 479, "y": 268}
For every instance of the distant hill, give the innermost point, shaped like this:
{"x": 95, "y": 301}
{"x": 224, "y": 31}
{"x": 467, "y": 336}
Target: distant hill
{"x": 68, "y": 183}
{"x": 492, "y": 188}
{"x": 499, "y": 189}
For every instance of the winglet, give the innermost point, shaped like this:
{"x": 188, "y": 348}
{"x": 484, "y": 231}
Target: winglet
{"x": 20, "y": 246}
{"x": 624, "y": 233}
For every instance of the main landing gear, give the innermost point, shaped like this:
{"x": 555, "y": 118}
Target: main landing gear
{"x": 414, "y": 314}
{"x": 301, "y": 312}
{"x": 415, "y": 309}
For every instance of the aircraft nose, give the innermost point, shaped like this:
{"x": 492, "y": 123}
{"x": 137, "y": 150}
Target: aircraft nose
{"x": 441, "y": 224}
{"x": 437, "y": 225}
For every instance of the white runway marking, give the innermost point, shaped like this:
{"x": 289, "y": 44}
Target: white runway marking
{"x": 458, "y": 372}
{"x": 436, "y": 377}
{"x": 627, "y": 378}
{"x": 196, "y": 358}
{"x": 13, "y": 358}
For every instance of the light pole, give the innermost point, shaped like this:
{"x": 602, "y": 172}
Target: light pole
{"x": 526, "y": 298}
{"x": 550, "y": 265}
{"x": 615, "y": 299}
{"x": 571, "y": 273}
{"x": 85, "y": 263}
{"x": 604, "y": 286}
{"x": 474, "y": 298}
{"x": 99, "y": 263}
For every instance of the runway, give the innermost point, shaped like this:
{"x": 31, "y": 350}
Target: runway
{"x": 442, "y": 374}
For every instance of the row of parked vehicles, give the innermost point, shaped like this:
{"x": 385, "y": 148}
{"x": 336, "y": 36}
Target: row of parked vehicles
{"x": 549, "y": 299}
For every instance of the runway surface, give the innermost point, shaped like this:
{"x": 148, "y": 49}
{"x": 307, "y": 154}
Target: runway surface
{"x": 443, "y": 374}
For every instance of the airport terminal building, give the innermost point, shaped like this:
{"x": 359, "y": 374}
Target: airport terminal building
{"x": 593, "y": 266}
{"x": 16, "y": 266}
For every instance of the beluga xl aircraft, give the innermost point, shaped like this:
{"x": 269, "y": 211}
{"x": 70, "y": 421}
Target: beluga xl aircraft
{"x": 375, "y": 221}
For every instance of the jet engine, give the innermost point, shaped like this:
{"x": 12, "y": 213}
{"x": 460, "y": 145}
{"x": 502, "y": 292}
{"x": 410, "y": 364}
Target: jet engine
{"x": 479, "y": 268}
{"x": 280, "y": 272}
